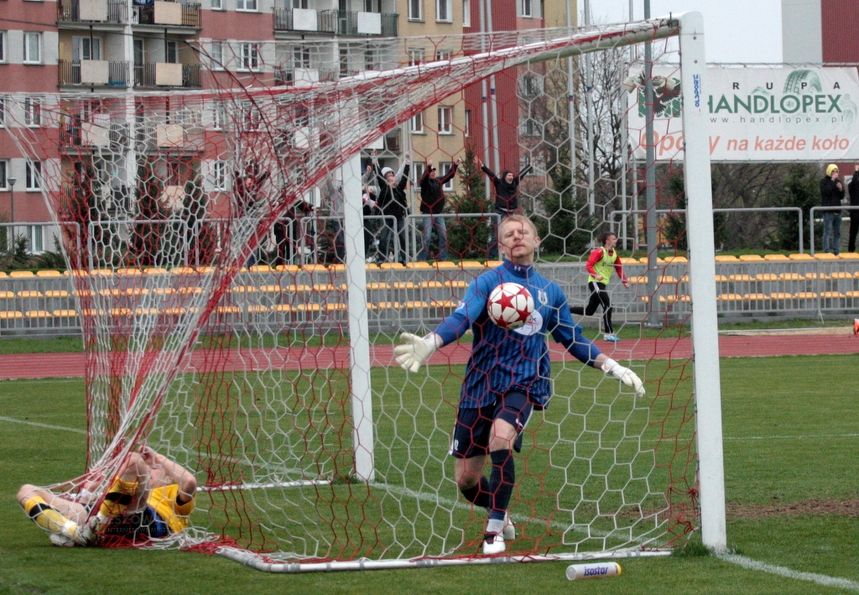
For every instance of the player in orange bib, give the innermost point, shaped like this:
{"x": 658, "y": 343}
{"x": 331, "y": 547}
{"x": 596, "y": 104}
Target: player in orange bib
{"x": 599, "y": 266}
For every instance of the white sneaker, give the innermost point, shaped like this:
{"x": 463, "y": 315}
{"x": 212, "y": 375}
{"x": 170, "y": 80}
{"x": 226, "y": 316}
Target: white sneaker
{"x": 509, "y": 530}
{"x": 493, "y": 543}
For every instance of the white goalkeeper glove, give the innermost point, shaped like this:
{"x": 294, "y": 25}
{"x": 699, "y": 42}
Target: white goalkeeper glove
{"x": 414, "y": 351}
{"x": 625, "y": 375}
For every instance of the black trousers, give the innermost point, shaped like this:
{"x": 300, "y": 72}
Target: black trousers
{"x": 599, "y": 297}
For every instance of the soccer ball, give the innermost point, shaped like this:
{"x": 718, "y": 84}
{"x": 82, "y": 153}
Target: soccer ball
{"x": 510, "y": 305}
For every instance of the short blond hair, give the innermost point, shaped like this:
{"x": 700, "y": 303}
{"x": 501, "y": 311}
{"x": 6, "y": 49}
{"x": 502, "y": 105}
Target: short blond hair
{"x": 518, "y": 218}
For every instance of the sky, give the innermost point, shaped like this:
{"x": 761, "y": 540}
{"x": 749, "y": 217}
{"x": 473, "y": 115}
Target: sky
{"x": 733, "y": 32}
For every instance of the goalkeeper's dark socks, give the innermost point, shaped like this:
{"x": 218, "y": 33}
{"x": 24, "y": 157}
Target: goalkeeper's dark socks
{"x": 501, "y": 482}
{"x": 478, "y": 494}
{"x": 49, "y": 518}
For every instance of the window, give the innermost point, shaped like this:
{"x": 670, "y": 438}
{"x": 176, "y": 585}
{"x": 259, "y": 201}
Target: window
{"x": 526, "y": 8}
{"x": 416, "y": 124}
{"x": 216, "y": 55}
{"x": 529, "y": 127}
{"x": 299, "y": 4}
{"x": 418, "y": 167}
{"x": 33, "y": 176}
{"x": 467, "y": 131}
{"x": 32, "y": 47}
{"x": 217, "y": 4}
{"x": 445, "y": 120}
{"x": 466, "y": 13}
{"x": 443, "y": 11}
{"x": 301, "y": 57}
{"x": 416, "y": 10}
{"x": 442, "y": 55}
{"x": 416, "y": 56}
{"x": 172, "y": 53}
{"x": 2, "y": 112}
{"x": 443, "y": 169}
{"x": 2, "y": 46}
{"x": 249, "y": 56}
{"x": 372, "y": 6}
{"x": 219, "y": 115}
{"x": 36, "y": 240}
{"x": 251, "y": 116}
{"x": 4, "y": 174}
{"x": 33, "y": 112}
{"x": 86, "y": 48}
{"x": 219, "y": 175}
{"x": 246, "y": 5}
{"x": 530, "y": 86}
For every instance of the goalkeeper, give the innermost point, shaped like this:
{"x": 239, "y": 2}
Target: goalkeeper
{"x": 507, "y": 374}
{"x": 151, "y": 497}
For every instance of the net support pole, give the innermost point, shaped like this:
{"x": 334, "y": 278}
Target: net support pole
{"x": 359, "y": 334}
{"x": 702, "y": 273}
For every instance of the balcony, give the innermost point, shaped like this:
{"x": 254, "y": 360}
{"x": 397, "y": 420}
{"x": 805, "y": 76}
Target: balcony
{"x": 302, "y": 77}
{"x": 92, "y": 12}
{"x": 101, "y": 133}
{"x": 339, "y": 22}
{"x": 93, "y": 73}
{"x": 167, "y": 14}
{"x": 304, "y": 19}
{"x": 170, "y": 138}
{"x": 163, "y": 74}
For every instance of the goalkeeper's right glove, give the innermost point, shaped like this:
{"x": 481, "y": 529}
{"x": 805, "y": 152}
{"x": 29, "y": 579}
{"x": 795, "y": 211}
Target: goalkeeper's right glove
{"x": 414, "y": 351}
{"x": 625, "y": 375}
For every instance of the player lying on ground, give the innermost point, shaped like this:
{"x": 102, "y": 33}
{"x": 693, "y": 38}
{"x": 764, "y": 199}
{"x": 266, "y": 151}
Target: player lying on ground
{"x": 150, "y": 497}
{"x": 507, "y": 375}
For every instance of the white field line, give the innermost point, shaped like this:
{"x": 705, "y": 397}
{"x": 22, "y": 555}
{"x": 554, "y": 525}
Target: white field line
{"x": 810, "y": 577}
{"x": 37, "y": 424}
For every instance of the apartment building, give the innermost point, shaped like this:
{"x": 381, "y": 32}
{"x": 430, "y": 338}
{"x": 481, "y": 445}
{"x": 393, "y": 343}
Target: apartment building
{"x": 77, "y": 47}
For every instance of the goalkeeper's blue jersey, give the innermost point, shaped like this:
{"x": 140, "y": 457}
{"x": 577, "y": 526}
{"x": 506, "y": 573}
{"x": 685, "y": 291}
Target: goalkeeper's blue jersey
{"x": 505, "y": 360}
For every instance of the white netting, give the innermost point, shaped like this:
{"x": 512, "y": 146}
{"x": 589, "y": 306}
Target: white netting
{"x": 205, "y": 239}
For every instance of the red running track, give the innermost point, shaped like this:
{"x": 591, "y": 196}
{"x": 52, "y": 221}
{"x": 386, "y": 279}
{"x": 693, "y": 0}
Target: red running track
{"x": 70, "y": 365}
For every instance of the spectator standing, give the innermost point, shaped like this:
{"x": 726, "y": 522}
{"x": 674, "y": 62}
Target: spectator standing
{"x": 831, "y": 195}
{"x": 506, "y": 196}
{"x": 853, "y": 189}
{"x": 393, "y": 204}
{"x": 432, "y": 205}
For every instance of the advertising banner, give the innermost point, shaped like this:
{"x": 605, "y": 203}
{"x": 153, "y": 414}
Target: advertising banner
{"x": 756, "y": 114}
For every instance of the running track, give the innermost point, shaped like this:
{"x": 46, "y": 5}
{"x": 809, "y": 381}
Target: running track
{"x": 70, "y": 365}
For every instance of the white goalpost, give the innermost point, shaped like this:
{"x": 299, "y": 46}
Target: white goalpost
{"x": 225, "y": 268}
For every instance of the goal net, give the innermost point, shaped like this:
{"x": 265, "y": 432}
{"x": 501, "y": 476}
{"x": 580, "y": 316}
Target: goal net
{"x": 240, "y": 290}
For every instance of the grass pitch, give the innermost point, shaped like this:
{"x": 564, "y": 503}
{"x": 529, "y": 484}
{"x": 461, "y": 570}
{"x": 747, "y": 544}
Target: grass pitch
{"x": 790, "y": 427}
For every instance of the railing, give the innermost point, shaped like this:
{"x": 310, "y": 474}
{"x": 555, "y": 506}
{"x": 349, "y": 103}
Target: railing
{"x": 70, "y": 74}
{"x": 622, "y": 213}
{"x": 190, "y": 16}
{"x": 40, "y": 236}
{"x": 812, "y": 219}
{"x": 413, "y": 222}
{"x": 339, "y": 22}
{"x": 68, "y": 11}
{"x": 145, "y": 75}
{"x": 326, "y": 20}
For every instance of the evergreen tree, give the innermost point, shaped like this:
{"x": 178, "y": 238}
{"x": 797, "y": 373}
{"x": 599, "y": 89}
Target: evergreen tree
{"x": 469, "y": 237}
{"x": 148, "y": 229}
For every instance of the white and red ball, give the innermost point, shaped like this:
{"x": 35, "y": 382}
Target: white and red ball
{"x": 510, "y": 305}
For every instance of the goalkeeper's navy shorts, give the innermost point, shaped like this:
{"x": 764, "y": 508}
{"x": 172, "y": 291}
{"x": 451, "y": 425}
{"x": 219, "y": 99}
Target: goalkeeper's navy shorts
{"x": 474, "y": 426}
